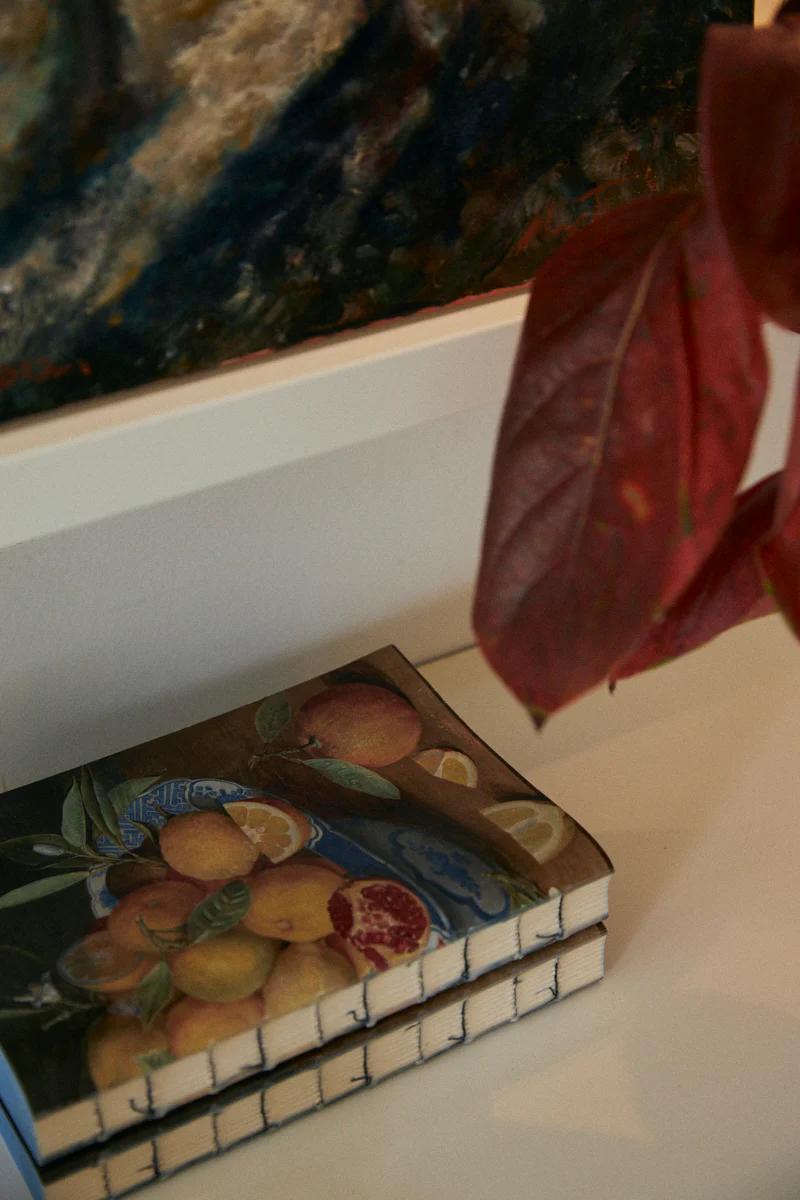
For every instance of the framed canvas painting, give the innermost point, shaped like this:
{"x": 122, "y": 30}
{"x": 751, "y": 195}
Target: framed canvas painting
{"x": 186, "y": 183}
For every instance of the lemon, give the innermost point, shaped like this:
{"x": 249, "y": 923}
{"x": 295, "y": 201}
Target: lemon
{"x": 452, "y": 765}
{"x": 540, "y": 828}
{"x": 275, "y": 828}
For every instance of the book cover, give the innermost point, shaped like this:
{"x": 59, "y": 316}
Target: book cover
{"x": 213, "y": 1125}
{"x": 222, "y": 899}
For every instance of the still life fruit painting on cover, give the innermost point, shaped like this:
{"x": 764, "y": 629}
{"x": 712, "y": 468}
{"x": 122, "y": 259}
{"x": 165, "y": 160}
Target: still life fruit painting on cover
{"x": 155, "y": 914}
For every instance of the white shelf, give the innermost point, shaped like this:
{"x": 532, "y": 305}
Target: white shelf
{"x": 103, "y": 458}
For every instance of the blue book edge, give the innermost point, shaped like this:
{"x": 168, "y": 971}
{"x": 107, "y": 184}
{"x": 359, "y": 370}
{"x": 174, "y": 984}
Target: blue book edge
{"x": 17, "y": 1168}
{"x": 17, "y": 1108}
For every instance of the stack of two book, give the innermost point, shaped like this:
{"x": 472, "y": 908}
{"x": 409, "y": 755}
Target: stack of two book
{"x": 209, "y": 935}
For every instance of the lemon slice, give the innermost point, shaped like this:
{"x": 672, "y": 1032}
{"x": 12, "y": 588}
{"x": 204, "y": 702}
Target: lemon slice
{"x": 98, "y": 964}
{"x": 448, "y": 764}
{"x": 541, "y": 829}
{"x": 276, "y": 828}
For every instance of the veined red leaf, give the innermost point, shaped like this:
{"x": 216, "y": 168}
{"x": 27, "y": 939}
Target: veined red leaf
{"x": 728, "y": 589}
{"x": 780, "y": 555}
{"x": 750, "y": 120}
{"x": 635, "y": 395}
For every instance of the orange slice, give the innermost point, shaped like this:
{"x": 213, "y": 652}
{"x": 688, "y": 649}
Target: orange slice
{"x": 99, "y": 964}
{"x": 276, "y": 828}
{"x": 448, "y": 764}
{"x": 542, "y": 829}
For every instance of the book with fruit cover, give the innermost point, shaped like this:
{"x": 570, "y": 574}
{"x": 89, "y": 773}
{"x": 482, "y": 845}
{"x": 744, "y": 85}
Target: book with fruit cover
{"x": 218, "y": 901}
{"x": 264, "y": 1103}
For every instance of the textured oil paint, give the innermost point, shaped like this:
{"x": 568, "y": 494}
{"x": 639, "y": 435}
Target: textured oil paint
{"x": 184, "y": 182}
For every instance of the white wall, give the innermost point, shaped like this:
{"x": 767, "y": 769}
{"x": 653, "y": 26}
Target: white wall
{"x": 122, "y": 629}
{"x": 117, "y": 630}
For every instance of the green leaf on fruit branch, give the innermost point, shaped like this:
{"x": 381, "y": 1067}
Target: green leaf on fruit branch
{"x": 358, "y": 779}
{"x": 272, "y": 717}
{"x": 219, "y": 912}
{"x": 154, "y": 992}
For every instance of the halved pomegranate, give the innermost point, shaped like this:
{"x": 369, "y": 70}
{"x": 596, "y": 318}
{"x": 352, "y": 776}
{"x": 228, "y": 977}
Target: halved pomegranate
{"x": 384, "y": 921}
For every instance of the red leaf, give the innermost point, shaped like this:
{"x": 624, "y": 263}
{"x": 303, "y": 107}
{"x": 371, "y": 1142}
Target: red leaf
{"x": 637, "y": 387}
{"x": 781, "y": 554}
{"x": 728, "y": 589}
{"x": 750, "y": 121}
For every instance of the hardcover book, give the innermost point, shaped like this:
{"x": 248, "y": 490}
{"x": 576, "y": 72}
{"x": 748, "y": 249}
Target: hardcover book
{"x": 214, "y": 903}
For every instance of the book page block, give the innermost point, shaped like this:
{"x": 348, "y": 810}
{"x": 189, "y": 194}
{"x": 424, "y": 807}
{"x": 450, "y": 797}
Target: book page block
{"x": 240, "y": 1120}
{"x": 130, "y": 1168}
{"x": 541, "y": 924}
{"x": 487, "y": 948}
{"x": 122, "y": 1106}
{"x": 582, "y": 965}
{"x": 293, "y": 1096}
{"x": 283, "y": 1037}
{"x": 343, "y": 1074}
{"x": 81, "y": 1124}
{"x": 181, "y": 1081}
{"x": 443, "y": 968}
{"x": 394, "y": 989}
{"x": 491, "y": 1007}
{"x": 185, "y": 1144}
{"x": 443, "y": 1029}
{"x": 395, "y": 1050}
{"x": 236, "y": 1056}
{"x": 342, "y": 1011}
{"x": 537, "y": 987}
{"x": 585, "y": 905}
{"x": 85, "y": 1185}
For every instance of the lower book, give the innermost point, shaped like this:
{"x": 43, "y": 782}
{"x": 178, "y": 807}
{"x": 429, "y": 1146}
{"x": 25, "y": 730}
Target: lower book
{"x": 261, "y": 1104}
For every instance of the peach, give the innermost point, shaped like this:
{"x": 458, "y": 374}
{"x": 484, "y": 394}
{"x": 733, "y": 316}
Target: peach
{"x": 206, "y": 845}
{"x": 290, "y": 902}
{"x": 224, "y": 968}
{"x": 360, "y": 723}
{"x": 115, "y": 1046}
{"x": 303, "y": 972}
{"x": 193, "y": 1025}
{"x": 161, "y": 907}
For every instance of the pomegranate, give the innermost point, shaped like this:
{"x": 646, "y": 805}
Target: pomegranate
{"x": 384, "y": 921}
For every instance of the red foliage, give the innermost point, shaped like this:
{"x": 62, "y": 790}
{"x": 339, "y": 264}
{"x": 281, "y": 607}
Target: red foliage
{"x": 780, "y": 555}
{"x": 750, "y": 106}
{"x": 614, "y": 538}
{"x": 730, "y": 587}
{"x": 623, "y": 441}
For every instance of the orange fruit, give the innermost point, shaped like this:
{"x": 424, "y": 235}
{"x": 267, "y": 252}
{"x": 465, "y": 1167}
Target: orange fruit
{"x": 290, "y": 902}
{"x": 275, "y": 828}
{"x": 228, "y": 967}
{"x": 541, "y": 828}
{"x": 206, "y": 845}
{"x": 382, "y": 919}
{"x": 448, "y": 764}
{"x": 162, "y": 907}
{"x": 193, "y": 1025}
{"x": 115, "y": 1044}
{"x": 360, "y": 723}
{"x": 303, "y": 972}
{"x": 99, "y": 964}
